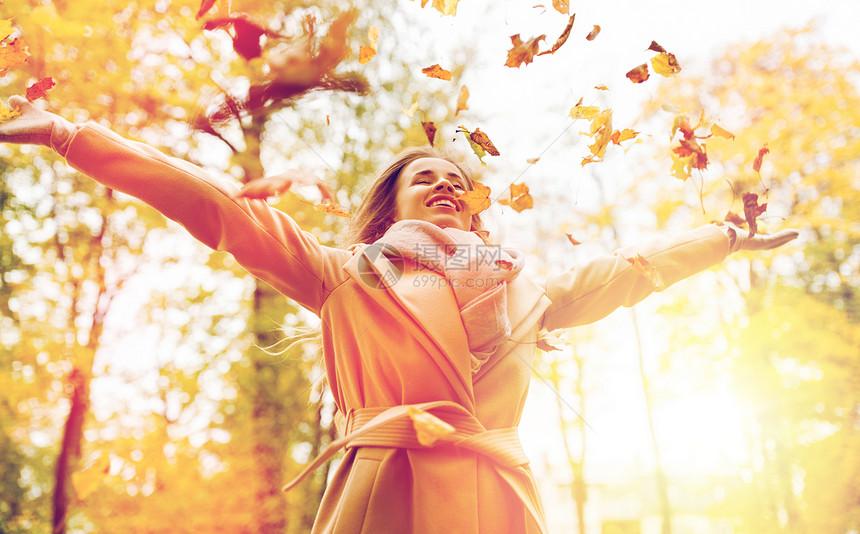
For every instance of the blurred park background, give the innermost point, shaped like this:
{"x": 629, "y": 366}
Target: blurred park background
{"x": 147, "y": 385}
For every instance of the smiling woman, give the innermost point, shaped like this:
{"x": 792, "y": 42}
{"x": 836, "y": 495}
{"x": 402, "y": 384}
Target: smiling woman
{"x": 429, "y": 371}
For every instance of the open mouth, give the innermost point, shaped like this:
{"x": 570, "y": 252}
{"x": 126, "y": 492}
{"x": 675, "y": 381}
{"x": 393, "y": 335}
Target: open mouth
{"x": 444, "y": 202}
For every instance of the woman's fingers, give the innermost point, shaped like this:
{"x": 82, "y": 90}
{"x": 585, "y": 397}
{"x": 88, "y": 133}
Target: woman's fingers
{"x": 278, "y": 184}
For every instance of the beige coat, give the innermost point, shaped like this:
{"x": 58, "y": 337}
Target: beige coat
{"x": 405, "y": 344}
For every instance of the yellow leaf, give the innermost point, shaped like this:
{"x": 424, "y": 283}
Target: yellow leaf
{"x": 665, "y": 64}
{"x": 583, "y": 112}
{"x": 719, "y": 131}
{"x": 411, "y": 111}
{"x": 446, "y": 7}
{"x": 478, "y": 199}
{"x": 462, "y": 100}
{"x": 13, "y": 55}
{"x": 519, "y": 198}
{"x": 332, "y": 209}
{"x": 7, "y": 114}
{"x": 562, "y": 6}
{"x": 365, "y": 54}
{"x": 5, "y": 29}
{"x": 681, "y": 166}
{"x": 428, "y": 427}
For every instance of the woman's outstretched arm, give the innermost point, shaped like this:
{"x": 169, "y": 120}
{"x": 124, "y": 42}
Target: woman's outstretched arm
{"x": 264, "y": 240}
{"x": 593, "y": 290}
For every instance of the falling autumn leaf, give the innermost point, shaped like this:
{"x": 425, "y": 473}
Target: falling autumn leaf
{"x": 478, "y": 199}
{"x": 638, "y": 74}
{"x": 7, "y": 114}
{"x": 759, "y": 157}
{"x": 205, "y": 6}
{"x": 436, "y": 71}
{"x": 734, "y": 218}
{"x": 532, "y": 161}
{"x": 366, "y": 53}
{"x": 562, "y": 39}
{"x": 462, "y": 100}
{"x": 518, "y": 198}
{"x": 665, "y": 64}
{"x": 428, "y": 428}
{"x": 601, "y": 87}
{"x": 583, "y": 112}
{"x": 411, "y": 111}
{"x": 593, "y": 33}
{"x": 656, "y": 48}
{"x": 429, "y": 131}
{"x": 481, "y": 139}
{"x": 13, "y": 55}
{"x": 39, "y": 89}
{"x": 752, "y": 209}
{"x": 6, "y": 29}
{"x": 573, "y": 241}
{"x": 523, "y": 52}
{"x": 626, "y": 134}
{"x": 719, "y": 131}
{"x": 681, "y": 167}
{"x": 247, "y": 34}
{"x": 332, "y": 209}
{"x": 562, "y": 6}
{"x": 646, "y": 269}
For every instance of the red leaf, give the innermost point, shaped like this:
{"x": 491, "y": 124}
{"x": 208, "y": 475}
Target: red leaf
{"x": 430, "y": 131}
{"x": 656, "y": 48}
{"x": 639, "y": 74}
{"x": 761, "y": 152}
{"x": 205, "y": 6}
{"x": 752, "y": 209}
{"x": 38, "y": 89}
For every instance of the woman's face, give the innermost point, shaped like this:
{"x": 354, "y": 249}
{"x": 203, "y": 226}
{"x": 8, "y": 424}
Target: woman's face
{"x": 427, "y": 190}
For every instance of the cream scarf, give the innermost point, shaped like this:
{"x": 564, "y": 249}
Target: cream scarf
{"x": 478, "y": 274}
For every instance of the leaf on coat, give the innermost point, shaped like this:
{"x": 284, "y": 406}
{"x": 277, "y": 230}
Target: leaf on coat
{"x": 759, "y": 157}
{"x": 638, "y": 74}
{"x": 13, "y": 55}
{"x": 428, "y": 428}
{"x": 477, "y": 199}
{"x": 518, "y": 198}
{"x": 593, "y": 33}
{"x": 665, "y": 64}
{"x": 39, "y": 89}
{"x": 646, "y": 269}
{"x": 562, "y": 38}
{"x": 523, "y": 52}
{"x": 429, "y": 131}
{"x": 436, "y": 71}
{"x": 462, "y": 100}
{"x": 752, "y": 209}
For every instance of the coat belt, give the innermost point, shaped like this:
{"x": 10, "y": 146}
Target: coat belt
{"x": 392, "y": 427}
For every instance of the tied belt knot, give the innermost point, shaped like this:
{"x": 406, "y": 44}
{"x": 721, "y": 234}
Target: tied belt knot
{"x": 392, "y": 427}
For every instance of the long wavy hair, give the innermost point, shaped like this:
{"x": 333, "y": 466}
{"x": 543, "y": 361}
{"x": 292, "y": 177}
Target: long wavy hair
{"x": 379, "y": 205}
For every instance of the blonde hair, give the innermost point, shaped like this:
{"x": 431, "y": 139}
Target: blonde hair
{"x": 376, "y": 213}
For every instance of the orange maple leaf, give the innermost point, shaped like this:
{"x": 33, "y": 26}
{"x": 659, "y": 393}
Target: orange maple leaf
{"x": 518, "y": 198}
{"x": 462, "y": 100}
{"x": 436, "y": 71}
{"x": 523, "y": 52}
{"x": 638, "y": 74}
{"x": 480, "y": 138}
{"x": 13, "y": 55}
{"x": 477, "y": 199}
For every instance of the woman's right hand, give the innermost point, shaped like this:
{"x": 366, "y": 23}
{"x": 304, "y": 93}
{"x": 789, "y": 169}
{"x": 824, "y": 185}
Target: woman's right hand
{"x": 34, "y": 126}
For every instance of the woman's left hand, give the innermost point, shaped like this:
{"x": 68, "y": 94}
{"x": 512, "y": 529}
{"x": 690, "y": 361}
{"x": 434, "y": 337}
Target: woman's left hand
{"x": 740, "y": 241}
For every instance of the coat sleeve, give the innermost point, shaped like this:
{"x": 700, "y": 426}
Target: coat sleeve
{"x": 266, "y": 241}
{"x": 592, "y": 291}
